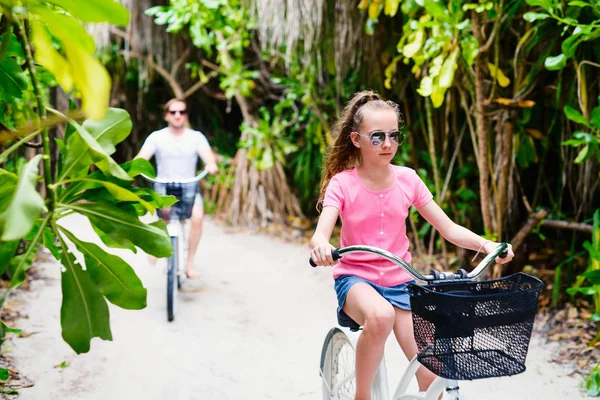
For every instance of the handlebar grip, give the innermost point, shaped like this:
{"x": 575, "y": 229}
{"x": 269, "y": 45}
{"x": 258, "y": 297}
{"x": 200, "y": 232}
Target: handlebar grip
{"x": 334, "y": 253}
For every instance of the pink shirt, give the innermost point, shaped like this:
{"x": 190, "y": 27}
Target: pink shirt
{"x": 375, "y": 218}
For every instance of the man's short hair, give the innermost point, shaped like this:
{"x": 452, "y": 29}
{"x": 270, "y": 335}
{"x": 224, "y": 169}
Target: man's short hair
{"x": 169, "y": 103}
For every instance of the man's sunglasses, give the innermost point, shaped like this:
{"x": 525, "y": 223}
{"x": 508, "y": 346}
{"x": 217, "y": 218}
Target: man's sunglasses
{"x": 378, "y": 137}
{"x": 173, "y": 112}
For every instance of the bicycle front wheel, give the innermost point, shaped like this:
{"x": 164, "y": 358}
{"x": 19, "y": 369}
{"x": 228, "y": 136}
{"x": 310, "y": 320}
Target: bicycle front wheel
{"x": 338, "y": 369}
{"x": 172, "y": 269}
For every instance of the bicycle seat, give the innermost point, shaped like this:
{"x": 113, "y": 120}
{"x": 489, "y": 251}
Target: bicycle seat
{"x": 347, "y": 322}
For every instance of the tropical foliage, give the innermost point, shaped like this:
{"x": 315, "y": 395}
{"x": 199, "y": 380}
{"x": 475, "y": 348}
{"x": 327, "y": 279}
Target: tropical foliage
{"x": 45, "y": 48}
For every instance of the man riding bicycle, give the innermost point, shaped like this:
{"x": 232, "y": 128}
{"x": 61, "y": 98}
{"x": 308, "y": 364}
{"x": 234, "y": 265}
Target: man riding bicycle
{"x": 176, "y": 149}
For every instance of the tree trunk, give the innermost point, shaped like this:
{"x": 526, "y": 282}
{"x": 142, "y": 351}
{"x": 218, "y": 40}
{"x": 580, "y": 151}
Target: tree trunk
{"x": 258, "y": 197}
{"x": 482, "y": 134}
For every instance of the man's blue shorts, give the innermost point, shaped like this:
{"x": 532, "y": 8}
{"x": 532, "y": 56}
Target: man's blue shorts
{"x": 397, "y": 296}
{"x": 188, "y": 195}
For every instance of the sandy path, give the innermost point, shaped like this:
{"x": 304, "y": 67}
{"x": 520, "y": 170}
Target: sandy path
{"x": 253, "y": 332}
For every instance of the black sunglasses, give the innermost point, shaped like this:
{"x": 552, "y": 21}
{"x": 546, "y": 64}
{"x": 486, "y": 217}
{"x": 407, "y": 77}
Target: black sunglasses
{"x": 173, "y": 112}
{"x": 378, "y": 137}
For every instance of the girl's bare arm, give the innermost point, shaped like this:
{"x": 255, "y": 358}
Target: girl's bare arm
{"x": 457, "y": 234}
{"x": 321, "y": 248}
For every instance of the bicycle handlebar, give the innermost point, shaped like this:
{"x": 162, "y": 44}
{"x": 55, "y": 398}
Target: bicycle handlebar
{"x": 500, "y": 251}
{"x": 187, "y": 180}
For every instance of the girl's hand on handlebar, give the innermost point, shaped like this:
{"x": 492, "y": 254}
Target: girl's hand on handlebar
{"x": 490, "y": 246}
{"x": 321, "y": 255}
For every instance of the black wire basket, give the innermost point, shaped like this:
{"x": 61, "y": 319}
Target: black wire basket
{"x": 473, "y": 330}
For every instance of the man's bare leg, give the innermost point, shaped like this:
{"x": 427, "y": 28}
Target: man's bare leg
{"x": 195, "y": 234}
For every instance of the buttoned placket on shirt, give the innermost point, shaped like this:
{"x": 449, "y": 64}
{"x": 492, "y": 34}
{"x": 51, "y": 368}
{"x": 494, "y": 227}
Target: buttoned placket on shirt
{"x": 381, "y": 230}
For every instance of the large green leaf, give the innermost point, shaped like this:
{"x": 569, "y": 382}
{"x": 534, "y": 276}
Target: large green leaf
{"x": 14, "y": 80}
{"x": 125, "y": 228}
{"x": 91, "y": 79}
{"x": 95, "y": 10}
{"x": 115, "y": 278}
{"x": 88, "y": 74}
{"x": 84, "y": 312}
{"x": 82, "y": 150}
{"x": 139, "y": 166}
{"x": 25, "y": 205}
{"x": 18, "y": 265}
{"x": 8, "y": 183}
{"x": 7, "y": 252}
{"x": 111, "y": 130}
{"x": 116, "y": 191}
{"x": 50, "y": 58}
{"x": 65, "y": 28}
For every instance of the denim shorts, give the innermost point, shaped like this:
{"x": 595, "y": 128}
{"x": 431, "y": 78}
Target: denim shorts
{"x": 396, "y": 295}
{"x": 188, "y": 195}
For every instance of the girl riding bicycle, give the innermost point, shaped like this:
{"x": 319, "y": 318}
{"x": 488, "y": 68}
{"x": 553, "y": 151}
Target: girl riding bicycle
{"x": 372, "y": 197}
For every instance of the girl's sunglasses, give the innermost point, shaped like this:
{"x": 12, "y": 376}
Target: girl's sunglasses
{"x": 378, "y": 137}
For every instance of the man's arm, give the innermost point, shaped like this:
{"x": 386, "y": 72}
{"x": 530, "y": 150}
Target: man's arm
{"x": 148, "y": 148}
{"x": 144, "y": 154}
{"x": 207, "y": 155}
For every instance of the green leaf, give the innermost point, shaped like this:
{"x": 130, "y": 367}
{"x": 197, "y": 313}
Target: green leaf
{"x": 95, "y": 10}
{"x": 391, "y": 7}
{"x": 7, "y": 252}
{"x": 8, "y": 184}
{"x": 583, "y": 153}
{"x": 436, "y": 9}
{"x": 111, "y": 130}
{"x": 65, "y": 28}
{"x": 592, "y": 276}
{"x": 575, "y": 116}
{"x": 91, "y": 79}
{"x": 118, "y": 192}
{"x": 4, "y": 374}
{"x": 469, "y": 48}
{"x": 570, "y": 44}
{"x": 539, "y": 3}
{"x": 50, "y": 58}
{"x": 426, "y": 87}
{"x": 84, "y": 312}
{"x": 555, "y": 63}
{"x": 534, "y": 16}
{"x": 14, "y": 80}
{"x": 25, "y": 206}
{"x": 595, "y": 117}
{"x": 588, "y": 290}
{"x": 139, "y": 166}
{"x": 82, "y": 149}
{"x": 126, "y": 228}
{"x": 448, "y": 68}
{"x": 579, "y": 4}
{"x": 415, "y": 44}
{"x": 18, "y": 265}
{"x": 49, "y": 240}
{"x": 89, "y": 76}
{"x": 113, "y": 276}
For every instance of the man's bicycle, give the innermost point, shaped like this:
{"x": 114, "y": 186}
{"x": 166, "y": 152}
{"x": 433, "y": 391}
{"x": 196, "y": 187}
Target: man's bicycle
{"x": 176, "y": 228}
{"x": 464, "y": 330}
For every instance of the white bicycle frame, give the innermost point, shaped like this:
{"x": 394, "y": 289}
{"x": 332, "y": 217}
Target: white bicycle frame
{"x": 439, "y": 384}
{"x": 176, "y": 227}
